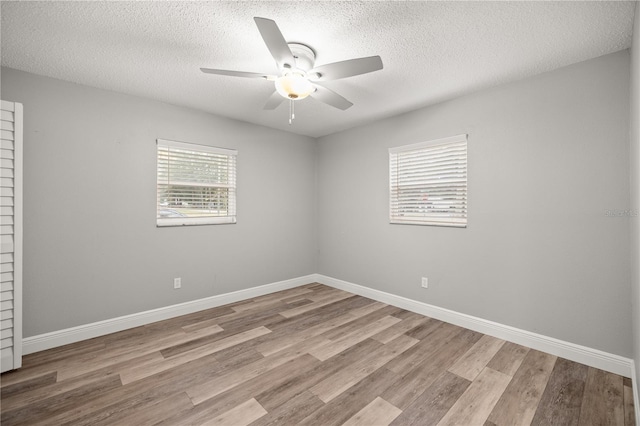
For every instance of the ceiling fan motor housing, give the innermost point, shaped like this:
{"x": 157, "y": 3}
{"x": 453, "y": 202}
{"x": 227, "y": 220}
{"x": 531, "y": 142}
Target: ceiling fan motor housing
{"x": 305, "y": 56}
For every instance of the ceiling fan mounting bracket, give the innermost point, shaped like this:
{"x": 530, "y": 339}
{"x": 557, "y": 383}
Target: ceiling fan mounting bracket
{"x": 305, "y": 56}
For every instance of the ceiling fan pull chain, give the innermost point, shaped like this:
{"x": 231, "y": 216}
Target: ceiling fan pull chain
{"x": 291, "y": 116}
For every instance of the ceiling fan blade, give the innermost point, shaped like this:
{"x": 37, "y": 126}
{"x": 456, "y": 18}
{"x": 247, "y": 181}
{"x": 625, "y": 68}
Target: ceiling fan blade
{"x": 330, "y": 97}
{"x": 348, "y": 68}
{"x": 275, "y": 42}
{"x": 274, "y": 101}
{"x": 238, "y": 73}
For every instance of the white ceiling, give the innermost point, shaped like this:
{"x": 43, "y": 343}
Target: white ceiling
{"x": 432, "y": 51}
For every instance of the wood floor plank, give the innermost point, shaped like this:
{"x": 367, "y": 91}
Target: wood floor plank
{"x": 299, "y": 302}
{"x": 149, "y": 414}
{"x": 437, "y": 339}
{"x": 129, "y": 375}
{"x": 245, "y": 320}
{"x": 431, "y": 405}
{"x": 518, "y": 404}
{"x": 235, "y": 318}
{"x": 296, "y": 299}
{"x": 44, "y": 408}
{"x": 435, "y": 361}
{"x": 339, "y": 382}
{"x": 508, "y": 358}
{"x": 406, "y": 324}
{"x": 175, "y": 323}
{"x": 175, "y": 376}
{"x": 254, "y": 305}
{"x": 125, "y": 353}
{"x": 247, "y": 372}
{"x": 241, "y": 415}
{"x": 275, "y": 345}
{"x": 325, "y": 292}
{"x": 629, "y": 411}
{"x": 603, "y": 399}
{"x": 27, "y": 385}
{"x": 247, "y": 363}
{"x": 423, "y": 331}
{"x": 203, "y": 324}
{"x": 227, "y": 400}
{"x": 316, "y": 304}
{"x": 348, "y": 403}
{"x": 562, "y": 397}
{"x": 158, "y": 386}
{"x": 336, "y": 346}
{"x": 322, "y": 314}
{"x": 291, "y": 412}
{"x": 230, "y": 355}
{"x": 476, "y": 403}
{"x": 68, "y": 385}
{"x": 280, "y": 296}
{"x": 130, "y": 412}
{"x": 140, "y": 393}
{"x": 147, "y": 337}
{"x": 25, "y": 373}
{"x": 232, "y": 328}
{"x": 204, "y": 331}
{"x": 471, "y": 364}
{"x": 280, "y": 394}
{"x": 378, "y": 412}
{"x": 50, "y": 359}
{"x": 349, "y": 327}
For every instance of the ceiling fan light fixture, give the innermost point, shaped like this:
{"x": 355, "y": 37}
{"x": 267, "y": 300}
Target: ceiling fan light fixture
{"x": 294, "y": 86}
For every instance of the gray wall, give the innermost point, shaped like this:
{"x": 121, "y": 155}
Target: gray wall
{"x": 547, "y": 157}
{"x": 635, "y": 190}
{"x": 91, "y": 247}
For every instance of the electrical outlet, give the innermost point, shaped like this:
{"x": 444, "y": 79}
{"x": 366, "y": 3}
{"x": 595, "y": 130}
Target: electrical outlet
{"x": 177, "y": 282}
{"x": 425, "y": 282}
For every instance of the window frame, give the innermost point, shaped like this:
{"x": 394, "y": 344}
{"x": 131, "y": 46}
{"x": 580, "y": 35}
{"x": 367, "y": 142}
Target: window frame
{"x": 460, "y": 221}
{"x": 230, "y": 218}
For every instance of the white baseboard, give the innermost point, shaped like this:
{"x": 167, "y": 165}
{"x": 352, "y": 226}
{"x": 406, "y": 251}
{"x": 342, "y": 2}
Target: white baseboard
{"x": 571, "y": 351}
{"x": 100, "y": 328}
{"x": 582, "y": 354}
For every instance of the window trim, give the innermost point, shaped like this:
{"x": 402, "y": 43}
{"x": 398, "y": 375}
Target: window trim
{"x": 206, "y": 220}
{"x": 452, "y": 222}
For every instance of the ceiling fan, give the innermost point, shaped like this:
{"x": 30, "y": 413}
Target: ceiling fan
{"x": 298, "y": 76}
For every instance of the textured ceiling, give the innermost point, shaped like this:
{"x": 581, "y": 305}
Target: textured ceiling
{"x": 432, "y": 51}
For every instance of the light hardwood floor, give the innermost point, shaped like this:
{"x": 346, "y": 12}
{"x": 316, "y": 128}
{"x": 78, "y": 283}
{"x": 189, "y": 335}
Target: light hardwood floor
{"x": 312, "y": 355}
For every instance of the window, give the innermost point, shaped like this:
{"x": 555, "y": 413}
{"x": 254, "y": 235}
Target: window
{"x": 428, "y": 183}
{"x": 196, "y": 184}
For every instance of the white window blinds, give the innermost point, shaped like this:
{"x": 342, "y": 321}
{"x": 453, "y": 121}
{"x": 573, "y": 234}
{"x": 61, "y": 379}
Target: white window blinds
{"x": 428, "y": 183}
{"x": 196, "y": 184}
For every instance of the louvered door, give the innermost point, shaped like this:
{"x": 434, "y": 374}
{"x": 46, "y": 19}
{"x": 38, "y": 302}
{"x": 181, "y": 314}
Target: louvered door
{"x": 10, "y": 235}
